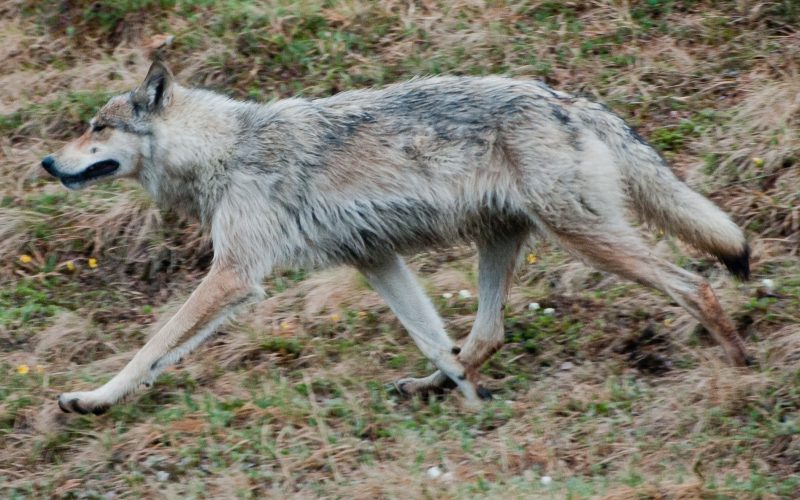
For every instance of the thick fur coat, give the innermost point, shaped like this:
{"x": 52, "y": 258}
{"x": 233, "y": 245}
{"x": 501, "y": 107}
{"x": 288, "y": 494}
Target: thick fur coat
{"x": 365, "y": 175}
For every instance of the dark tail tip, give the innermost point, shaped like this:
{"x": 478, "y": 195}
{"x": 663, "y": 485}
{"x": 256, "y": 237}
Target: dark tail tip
{"x": 739, "y": 264}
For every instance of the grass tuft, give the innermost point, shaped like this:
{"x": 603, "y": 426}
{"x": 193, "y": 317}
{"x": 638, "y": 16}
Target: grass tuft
{"x": 616, "y": 394}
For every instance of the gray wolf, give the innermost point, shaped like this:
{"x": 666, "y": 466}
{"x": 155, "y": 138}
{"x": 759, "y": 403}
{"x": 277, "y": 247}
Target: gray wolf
{"x": 364, "y": 176}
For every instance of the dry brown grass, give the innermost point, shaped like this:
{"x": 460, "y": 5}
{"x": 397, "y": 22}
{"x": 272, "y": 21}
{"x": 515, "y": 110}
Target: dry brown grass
{"x": 619, "y": 395}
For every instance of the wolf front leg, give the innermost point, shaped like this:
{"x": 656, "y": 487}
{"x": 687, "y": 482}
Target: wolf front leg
{"x": 220, "y": 291}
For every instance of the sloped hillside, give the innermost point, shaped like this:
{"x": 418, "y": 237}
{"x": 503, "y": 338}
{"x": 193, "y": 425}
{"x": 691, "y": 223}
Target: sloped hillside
{"x": 616, "y": 394}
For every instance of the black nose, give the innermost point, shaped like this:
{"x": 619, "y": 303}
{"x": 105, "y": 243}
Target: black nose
{"x": 49, "y": 164}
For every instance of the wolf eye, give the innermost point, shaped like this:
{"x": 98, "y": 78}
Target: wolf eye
{"x": 97, "y": 127}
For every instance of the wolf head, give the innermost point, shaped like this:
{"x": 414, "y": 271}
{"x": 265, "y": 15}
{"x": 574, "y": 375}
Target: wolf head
{"x": 119, "y": 137}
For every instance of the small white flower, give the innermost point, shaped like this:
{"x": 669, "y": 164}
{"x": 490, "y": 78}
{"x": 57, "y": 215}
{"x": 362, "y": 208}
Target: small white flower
{"x": 162, "y": 475}
{"x": 464, "y": 294}
{"x": 534, "y": 306}
{"x": 768, "y": 284}
{"x": 447, "y": 295}
{"x": 549, "y": 311}
{"x": 546, "y": 480}
{"x": 434, "y": 472}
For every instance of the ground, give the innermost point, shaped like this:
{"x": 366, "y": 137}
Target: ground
{"x": 615, "y": 393}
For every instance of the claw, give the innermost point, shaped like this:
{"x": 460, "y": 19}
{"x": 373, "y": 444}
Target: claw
{"x": 399, "y": 387}
{"x": 76, "y": 407}
{"x": 99, "y": 410}
{"x": 484, "y": 393}
{"x": 448, "y": 384}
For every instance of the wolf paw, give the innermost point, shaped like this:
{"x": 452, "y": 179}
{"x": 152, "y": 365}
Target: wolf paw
{"x": 81, "y": 402}
{"x": 436, "y": 383}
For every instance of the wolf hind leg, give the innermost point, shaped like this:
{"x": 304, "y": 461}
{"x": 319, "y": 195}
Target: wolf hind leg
{"x": 618, "y": 249}
{"x": 497, "y": 259}
{"x": 401, "y": 291}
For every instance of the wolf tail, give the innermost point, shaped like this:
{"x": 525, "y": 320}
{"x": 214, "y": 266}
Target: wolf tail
{"x": 665, "y": 201}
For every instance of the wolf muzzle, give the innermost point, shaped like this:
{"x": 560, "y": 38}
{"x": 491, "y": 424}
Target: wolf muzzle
{"x": 49, "y": 164}
{"x": 93, "y": 171}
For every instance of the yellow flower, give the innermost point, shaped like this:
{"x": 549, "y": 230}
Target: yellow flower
{"x": 531, "y": 258}
{"x": 361, "y": 314}
{"x": 667, "y": 321}
{"x": 758, "y": 162}
{"x": 285, "y": 325}
{"x": 23, "y": 369}
{"x": 92, "y": 263}
{"x": 69, "y": 265}
{"x": 335, "y": 318}
{"x": 40, "y": 369}
{"x": 25, "y": 259}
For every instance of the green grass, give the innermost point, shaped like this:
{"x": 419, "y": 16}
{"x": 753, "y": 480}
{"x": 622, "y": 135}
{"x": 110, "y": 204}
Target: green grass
{"x": 204, "y": 434}
{"x": 72, "y": 108}
{"x": 618, "y": 394}
{"x": 26, "y": 304}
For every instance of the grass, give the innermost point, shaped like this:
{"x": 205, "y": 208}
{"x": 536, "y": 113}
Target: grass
{"x": 618, "y": 394}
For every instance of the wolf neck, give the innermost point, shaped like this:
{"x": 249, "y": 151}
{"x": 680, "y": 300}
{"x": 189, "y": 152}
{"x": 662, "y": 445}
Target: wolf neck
{"x": 190, "y": 152}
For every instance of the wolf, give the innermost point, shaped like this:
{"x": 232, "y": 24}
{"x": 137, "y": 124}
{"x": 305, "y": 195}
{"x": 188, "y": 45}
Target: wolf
{"x": 365, "y": 176}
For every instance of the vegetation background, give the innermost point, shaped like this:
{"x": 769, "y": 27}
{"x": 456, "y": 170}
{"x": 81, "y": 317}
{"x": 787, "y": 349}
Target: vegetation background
{"x": 617, "y": 394}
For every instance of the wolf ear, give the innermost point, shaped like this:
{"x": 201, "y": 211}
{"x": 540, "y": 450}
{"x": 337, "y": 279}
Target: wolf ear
{"x": 154, "y": 93}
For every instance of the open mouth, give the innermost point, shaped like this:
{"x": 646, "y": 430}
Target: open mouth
{"x": 93, "y": 171}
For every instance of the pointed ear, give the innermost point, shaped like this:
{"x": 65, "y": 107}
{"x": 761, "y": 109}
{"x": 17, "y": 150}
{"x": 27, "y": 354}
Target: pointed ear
{"x": 155, "y": 92}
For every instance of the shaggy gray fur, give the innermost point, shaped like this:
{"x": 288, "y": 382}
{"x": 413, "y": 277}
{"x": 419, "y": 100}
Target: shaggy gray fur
{"x": 363, "y": 176}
